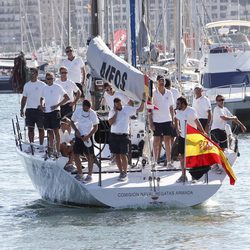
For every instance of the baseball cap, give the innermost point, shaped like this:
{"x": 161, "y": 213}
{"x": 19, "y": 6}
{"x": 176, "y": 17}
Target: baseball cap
{"x": 198, "y": 86}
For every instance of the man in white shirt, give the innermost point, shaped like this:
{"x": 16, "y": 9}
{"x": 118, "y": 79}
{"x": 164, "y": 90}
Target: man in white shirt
{"x": 32, "y": 94}
{"x": 66, "y": 142}
{"x": 76, "y": 70}
{"x": 119, "y": 137}
{"x": 184, "y": 114}
{"x": 220, "y": 117}
{"x": 54, "y": 96}
{"x": 161, "y": 120}
{"x": 110, "y": 94}
{"x": 72, "y": 91}
{"x": 85, "y": 123}
{"x": 176, "y": 94}
{"x": 202, "y": 106}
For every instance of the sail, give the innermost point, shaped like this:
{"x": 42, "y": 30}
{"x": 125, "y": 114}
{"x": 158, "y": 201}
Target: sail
{"x": 113, "y": 69}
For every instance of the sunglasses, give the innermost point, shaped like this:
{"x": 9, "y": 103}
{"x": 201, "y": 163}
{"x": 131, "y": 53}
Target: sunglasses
{"x": 49, "y": 78}
{"x": 67, "y": 51}
{"x": 220, "y": 100}
{"x": 108, "y": 90}
{"x": 62, "y": 73}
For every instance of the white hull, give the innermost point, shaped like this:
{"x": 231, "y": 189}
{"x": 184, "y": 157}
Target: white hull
{"x": 55, "y": 184}
{"x": 225, "y": 65}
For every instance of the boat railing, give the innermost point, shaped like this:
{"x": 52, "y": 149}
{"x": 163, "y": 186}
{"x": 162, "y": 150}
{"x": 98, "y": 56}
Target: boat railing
{"x": 230, "y": 91}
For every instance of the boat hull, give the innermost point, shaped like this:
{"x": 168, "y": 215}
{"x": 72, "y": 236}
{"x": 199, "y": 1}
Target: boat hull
{"x": 53, "y": 183}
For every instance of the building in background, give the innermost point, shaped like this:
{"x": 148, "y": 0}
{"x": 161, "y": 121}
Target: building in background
{"x": 32, "y": 24}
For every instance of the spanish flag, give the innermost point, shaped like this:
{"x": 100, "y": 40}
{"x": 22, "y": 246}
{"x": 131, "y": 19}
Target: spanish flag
{"x": 201, "y": 151}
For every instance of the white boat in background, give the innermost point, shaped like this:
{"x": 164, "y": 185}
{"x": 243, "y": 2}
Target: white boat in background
{"x": 225, "y": 65}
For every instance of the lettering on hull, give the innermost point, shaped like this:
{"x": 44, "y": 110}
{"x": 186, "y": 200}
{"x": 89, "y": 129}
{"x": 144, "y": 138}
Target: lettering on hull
{"x": 148, "y": 194}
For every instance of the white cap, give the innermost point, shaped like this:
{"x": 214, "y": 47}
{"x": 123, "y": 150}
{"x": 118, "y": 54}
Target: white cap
{"x": 198, "y": 86}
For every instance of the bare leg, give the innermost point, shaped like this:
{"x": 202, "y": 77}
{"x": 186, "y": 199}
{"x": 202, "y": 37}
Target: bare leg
{"x": 157, "y": 146}
{"x": 90, "y": 159}
{"x": 51, "y": 139}
{"x": 78, "y": 163}
{"x": 124, "y": 162}
{"x": 57, "y": 138}
{"x": 31, "y": 134}
{"x": 41, "y": 135}
{"x": 118, "y": 161}
{"x": 167, "y": 142}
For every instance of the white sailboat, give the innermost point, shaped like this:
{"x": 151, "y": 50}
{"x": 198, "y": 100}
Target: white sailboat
{"x": 148, "y": 183}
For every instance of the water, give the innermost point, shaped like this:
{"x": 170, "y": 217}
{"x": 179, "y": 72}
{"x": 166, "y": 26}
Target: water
{"x": 27, "y": 222}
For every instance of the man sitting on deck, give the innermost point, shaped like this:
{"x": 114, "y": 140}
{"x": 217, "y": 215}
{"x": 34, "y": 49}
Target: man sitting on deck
{"x": 85, "y": 123}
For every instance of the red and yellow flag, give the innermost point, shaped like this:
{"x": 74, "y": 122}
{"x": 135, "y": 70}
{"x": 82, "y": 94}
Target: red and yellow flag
{"x": 202, "y": 151}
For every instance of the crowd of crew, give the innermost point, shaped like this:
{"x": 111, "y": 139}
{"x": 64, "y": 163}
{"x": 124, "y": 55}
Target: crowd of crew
{"x": 51, "y": 106}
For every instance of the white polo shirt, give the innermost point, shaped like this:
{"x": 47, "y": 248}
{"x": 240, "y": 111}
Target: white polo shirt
{"x": 186, "y": 116}
{"x": 74, "y": 69}
{"x": 110, "y": 98}
{"x": 219, "y": 123}
{"x": 163, "y": 103}
{"x": 52, "y": 96}
{"x": 84, "y": 121}
{"x": 70, "y": 88}
{"x": 201, "y": 106}
{"x": 121, "y": 125}
{"x": 176, "y": 94}
{"x": 33, "y": 91}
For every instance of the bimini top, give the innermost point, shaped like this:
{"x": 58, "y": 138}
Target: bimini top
{"x": 228, "y": 23}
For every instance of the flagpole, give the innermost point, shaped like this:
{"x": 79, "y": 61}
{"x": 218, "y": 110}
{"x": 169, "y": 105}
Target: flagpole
{"x": 184, "y": 160}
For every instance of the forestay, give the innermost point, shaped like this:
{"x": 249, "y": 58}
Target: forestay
{"x": 115, "y": 70}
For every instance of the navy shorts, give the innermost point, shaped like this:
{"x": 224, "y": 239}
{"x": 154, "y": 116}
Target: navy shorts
{"x": 220, "y": 137}
{"x": 79, "y": 85}
{"x": 203, "y": 122}
{"x": 181, "y": 145}
{"x": 163, "y": 128}
{"x": 119, "y": 144}
{"x": 34, "y": 116}
{"x": 52, "y": 119}
{"x": 79, "y": 147}
{"x": 66, "y": 110}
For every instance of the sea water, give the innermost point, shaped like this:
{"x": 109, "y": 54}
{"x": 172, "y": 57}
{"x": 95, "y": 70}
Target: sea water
{"x": 27, "y": 222}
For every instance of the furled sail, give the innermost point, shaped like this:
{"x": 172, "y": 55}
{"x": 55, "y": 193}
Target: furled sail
{"x": 111, "y": 68}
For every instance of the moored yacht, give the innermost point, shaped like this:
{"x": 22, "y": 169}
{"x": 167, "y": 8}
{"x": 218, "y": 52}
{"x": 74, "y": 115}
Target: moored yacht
{"x": 225, "y": 65}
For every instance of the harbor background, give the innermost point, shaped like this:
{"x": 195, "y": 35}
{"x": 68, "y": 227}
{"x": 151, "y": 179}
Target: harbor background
{"x": 27, "y": 222}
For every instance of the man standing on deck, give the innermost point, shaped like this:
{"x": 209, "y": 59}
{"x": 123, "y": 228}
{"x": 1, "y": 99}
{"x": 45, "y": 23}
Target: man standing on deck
{"x": 220, "y": 117}
{"x": 184, "y": 114}
{"x": 161, "y": 120}
{"x": 110, "y": 94}
{"x": 202, "y": 106}
{"x": 54, "y": 96}
{"x": 119, "y": 136}
{"x": 76, "y": 70}
{"x": 32, "y": 94}
{"x": 72, "y": 91}
{"x": 85, "y": 123}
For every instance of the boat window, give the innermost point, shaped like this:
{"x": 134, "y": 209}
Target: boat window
{"x": 225, "y": 79}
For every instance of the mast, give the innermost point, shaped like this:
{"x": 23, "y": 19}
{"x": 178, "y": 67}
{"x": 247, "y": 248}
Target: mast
{"x": 132, "y": 28}
{"x": 164, "y": 12}
{"x": 40, "y": 23}
{"x": 112, "y": 24}
{"x": 178, "y": 38}
{"x": 128, "y": 33}
{"x": 21, "y": 23}
{"x": 94, "y": 17}
{"x": 69, "y": 21}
